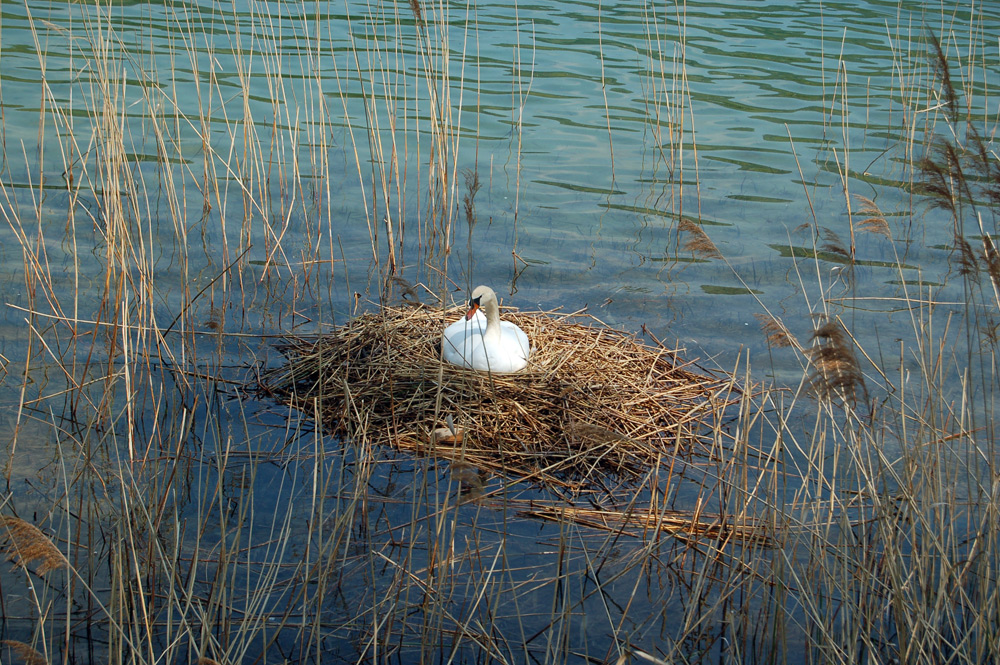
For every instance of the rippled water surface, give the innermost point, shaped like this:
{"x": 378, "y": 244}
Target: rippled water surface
{"x": 268, "y": 142}
{"x": 593, "y": 128}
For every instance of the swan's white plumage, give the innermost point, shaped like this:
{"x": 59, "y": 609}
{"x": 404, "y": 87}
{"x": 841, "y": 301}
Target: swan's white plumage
{"x": 485, "y": 343}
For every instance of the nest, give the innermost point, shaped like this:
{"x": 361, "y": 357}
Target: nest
{"x": 594, "y": 406}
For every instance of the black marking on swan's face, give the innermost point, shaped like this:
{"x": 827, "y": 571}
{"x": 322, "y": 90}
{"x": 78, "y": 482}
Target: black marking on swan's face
{"x": 473, "y": 306}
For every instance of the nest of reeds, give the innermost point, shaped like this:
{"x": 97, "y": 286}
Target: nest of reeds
{"x": 593, "y": 404}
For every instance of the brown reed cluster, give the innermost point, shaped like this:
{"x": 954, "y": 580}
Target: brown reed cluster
{"x": 25, "y": 543}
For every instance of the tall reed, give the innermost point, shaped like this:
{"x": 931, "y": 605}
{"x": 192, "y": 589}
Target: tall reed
{"x": 183, "y": 520}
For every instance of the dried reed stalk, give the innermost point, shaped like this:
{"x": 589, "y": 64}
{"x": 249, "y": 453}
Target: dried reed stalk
{"x": 641, "y": 522}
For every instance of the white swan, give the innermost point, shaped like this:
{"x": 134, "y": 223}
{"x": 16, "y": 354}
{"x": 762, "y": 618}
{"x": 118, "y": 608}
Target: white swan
{"x": 485, "y": 343}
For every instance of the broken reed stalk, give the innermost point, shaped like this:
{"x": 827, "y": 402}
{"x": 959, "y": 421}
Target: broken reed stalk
{"x": 645, "y": 522}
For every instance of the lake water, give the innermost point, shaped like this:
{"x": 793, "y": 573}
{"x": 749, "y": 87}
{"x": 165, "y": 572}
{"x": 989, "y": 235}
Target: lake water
{"x": 263, "y": 144}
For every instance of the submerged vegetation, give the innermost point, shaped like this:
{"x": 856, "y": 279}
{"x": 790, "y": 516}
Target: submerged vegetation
{"x": 176, "y": 227}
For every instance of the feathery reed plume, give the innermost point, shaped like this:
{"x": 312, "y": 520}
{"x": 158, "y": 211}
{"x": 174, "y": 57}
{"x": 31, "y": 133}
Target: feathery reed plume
{"x": 834, "y": 244}
{"x": 943, "y": 72}
{"x": 991, "y": 257}
{"x": 777, "y": 334}
{"x": 939, "y": 169}
{"x": 405, "y": 288}
{"x": 698, "y": 242}
{"x": 875, "y": 220}
{"x": 27, "y": 543}
{"x": 418, "y": 13}
{"x": 968, "y": 262}
{"x": 472, "y": 186}
{"x": 985, "y": 163}
{"x": 27, "y": 654}
{"x": 835, "y": 370}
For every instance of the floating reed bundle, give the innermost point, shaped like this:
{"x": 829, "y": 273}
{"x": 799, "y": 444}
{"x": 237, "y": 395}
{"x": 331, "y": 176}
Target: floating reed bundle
{"x": 593, "y": 404}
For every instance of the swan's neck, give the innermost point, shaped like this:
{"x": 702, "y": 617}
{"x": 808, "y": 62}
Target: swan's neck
{"x": 492, "y": 311}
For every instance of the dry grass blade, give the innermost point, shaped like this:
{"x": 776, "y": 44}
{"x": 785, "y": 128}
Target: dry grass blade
{"x": 27, "y": 543}
{"x": 591, "y": 401}
{"x": 698, "y": 242}
{"x": 777, "y": 334}
{"x": 27, "y": 654}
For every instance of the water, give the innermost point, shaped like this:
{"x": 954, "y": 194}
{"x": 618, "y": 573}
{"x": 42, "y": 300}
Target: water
{"x": 593, "y": 127}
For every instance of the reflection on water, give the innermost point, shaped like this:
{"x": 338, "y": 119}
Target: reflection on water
{"x": 267, "y": 161}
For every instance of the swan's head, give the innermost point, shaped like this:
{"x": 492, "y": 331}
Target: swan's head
{"x": 481, "y": 295}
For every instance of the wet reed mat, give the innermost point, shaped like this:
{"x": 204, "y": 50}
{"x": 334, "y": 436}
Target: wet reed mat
{"x": 594, "y": 408}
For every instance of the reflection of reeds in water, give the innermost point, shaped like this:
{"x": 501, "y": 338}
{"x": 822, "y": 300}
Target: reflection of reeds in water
{"x": 25, "y": 543}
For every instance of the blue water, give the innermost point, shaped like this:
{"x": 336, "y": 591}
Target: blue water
{"x": 593, "y": 127}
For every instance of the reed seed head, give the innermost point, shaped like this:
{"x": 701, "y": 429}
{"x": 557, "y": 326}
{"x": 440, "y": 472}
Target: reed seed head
{"x": 25, "y": 543}
{"x": 777, "y": 334}
{"x": 27, "y": 654}
{"x": 698, "y": 242}
{"x": 835, "y": 368}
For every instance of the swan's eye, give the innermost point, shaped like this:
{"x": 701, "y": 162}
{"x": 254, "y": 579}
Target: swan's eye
{"x": 475, "y": 301}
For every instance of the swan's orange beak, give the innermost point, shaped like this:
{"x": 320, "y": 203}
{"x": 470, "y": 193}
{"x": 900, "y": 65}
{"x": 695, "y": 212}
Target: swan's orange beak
{"x": 473, "y": 306}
